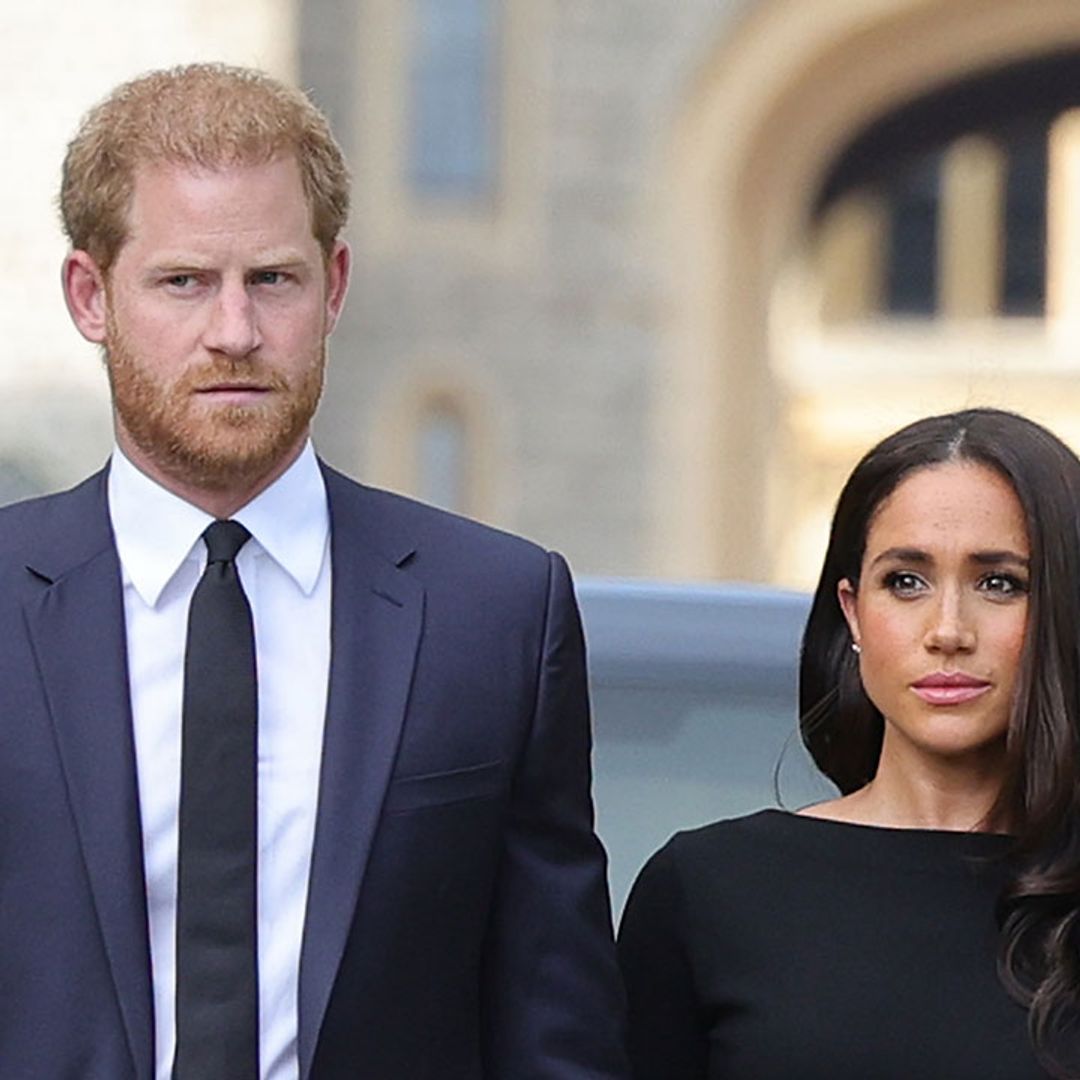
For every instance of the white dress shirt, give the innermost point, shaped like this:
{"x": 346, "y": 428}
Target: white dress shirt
{"x": 285, "y": 571}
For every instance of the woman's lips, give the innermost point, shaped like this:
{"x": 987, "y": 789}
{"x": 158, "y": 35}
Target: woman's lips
{"x": 949, "y": 688}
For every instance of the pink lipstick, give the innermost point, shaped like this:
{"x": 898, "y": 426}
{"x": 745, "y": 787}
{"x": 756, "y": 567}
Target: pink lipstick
{"x": 949, "y": 688}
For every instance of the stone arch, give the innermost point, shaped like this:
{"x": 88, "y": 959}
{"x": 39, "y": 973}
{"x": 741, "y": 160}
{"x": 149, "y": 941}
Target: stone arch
{"x": 775, "y": 102}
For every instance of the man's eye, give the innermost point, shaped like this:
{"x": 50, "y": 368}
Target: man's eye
{"x": 268, "y": 277}
{"x": 180, "y": 281}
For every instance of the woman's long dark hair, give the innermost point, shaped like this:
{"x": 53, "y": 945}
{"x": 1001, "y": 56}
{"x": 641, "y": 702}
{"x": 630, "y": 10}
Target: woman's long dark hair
{"x": 1039, "y": 911}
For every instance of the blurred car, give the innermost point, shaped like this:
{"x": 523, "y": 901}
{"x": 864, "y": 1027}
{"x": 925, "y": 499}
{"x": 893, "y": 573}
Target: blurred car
{"x": 693, "y": 691}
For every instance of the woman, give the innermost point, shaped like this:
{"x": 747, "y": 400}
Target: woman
{"x": 926, "y": 923}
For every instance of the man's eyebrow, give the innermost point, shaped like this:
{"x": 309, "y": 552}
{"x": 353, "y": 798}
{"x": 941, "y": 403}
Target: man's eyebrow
{"x": 180, "y": 260}
{"x": 172, "y": 263}
{"x": 285, "y": 258}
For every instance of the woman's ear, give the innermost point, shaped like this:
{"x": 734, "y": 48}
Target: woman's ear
{"x": 845, "y": 593}
{"x": 84, "y": 293}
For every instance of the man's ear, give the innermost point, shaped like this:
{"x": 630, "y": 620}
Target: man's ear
{"x": 845, "y": 593}
{"x": 84, "y": 293}
{"x": 338, "y": 267}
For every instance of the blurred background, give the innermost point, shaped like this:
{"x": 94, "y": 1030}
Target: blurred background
{"x": 637, "y": 278}
{"x": 640, "y": 279}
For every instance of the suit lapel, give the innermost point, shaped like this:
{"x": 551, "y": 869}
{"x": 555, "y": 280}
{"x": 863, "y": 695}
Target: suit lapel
{"x": 377, "y": 612}
{"x": 76, "y": 625}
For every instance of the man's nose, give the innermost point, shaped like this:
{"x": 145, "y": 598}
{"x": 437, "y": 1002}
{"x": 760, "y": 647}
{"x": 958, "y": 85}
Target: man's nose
{"x": 233, "y": 327}
{"x": 950, "y": 629}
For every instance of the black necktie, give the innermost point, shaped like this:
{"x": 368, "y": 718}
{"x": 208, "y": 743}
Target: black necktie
{"x": 217, "y": 1001}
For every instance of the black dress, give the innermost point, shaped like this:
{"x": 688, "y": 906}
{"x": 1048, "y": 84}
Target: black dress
{"x": 780, "y": 947}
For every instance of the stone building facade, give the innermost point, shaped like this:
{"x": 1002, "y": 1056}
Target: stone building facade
{"x": 623, "y": 282}
{"x": 637, "y": 331}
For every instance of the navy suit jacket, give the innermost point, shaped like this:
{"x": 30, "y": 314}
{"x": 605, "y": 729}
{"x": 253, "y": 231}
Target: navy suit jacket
{"x": 457, "y": 923}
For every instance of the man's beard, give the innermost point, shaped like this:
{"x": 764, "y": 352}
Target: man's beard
{"x": 208, "y": 446}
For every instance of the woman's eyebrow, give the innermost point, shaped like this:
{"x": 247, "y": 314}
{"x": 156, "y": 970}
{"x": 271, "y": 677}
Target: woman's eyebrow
{"x": 903, "y": 554}
{"x": 996, "y": 558}
{"x": 919, "y": 557}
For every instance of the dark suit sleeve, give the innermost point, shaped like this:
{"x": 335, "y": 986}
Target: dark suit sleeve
{"x": 667, "y": 1037}
{"x": 553, "y": 1006}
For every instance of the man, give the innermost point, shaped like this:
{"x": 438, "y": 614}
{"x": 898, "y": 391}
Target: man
{"x": 421, "y": 893}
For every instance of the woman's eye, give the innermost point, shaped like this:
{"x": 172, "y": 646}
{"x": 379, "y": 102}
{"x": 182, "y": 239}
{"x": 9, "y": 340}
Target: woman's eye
{"x": 1003, "y": 585}
{"x": 904, "y": 583}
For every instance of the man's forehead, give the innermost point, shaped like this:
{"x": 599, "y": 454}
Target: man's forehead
{"x": 232, "y": 195}
{"x": 194, "y": 216}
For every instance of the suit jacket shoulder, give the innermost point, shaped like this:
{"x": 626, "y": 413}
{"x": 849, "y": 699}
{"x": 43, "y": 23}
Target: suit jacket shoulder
{"x": 52, "y": 534}
{"x": 429, "y": 541}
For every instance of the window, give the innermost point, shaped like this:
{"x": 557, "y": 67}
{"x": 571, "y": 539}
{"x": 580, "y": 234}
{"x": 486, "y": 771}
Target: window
{"x": 1024, "y": 289}
{"x": 961, "y": 180}
{"x": 911, "y": 266}
{"x": 453, "y": 134}
{"x": 442, "y": 457}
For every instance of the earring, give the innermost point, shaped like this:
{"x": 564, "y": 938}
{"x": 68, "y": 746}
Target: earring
{"x": 856, "y": 648}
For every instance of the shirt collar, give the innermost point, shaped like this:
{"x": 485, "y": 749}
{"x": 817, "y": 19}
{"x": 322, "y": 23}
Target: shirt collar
{"x": 156, "y": 530}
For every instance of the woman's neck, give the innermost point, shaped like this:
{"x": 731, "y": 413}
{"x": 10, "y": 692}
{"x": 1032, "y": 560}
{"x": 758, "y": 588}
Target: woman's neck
{"x": 918, "y": 791}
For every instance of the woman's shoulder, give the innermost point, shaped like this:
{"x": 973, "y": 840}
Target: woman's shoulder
{"x": 733, "y": 835}
{"x": 727, "y": 871}
{"x": 731, "y": 844}
{"x": 780, "y": 842}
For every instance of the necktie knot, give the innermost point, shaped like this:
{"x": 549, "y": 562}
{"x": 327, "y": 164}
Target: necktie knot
{"x": 224, "y": 539}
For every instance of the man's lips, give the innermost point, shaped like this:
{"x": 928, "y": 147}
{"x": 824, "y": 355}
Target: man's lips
{"x": 233, "y": 391}
{"x": 228, "y": 386}
{"x": 949, "y": 687}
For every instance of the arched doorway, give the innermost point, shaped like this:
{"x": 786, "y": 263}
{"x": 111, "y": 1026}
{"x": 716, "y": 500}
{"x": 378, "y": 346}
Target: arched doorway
{"x": 747, "y": 422}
